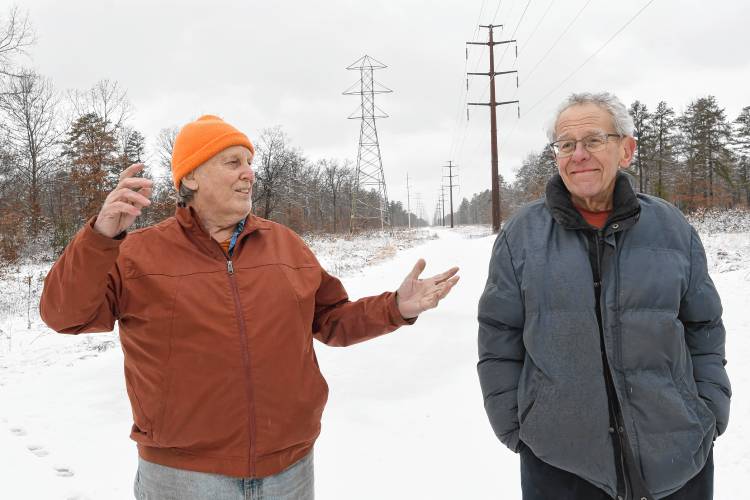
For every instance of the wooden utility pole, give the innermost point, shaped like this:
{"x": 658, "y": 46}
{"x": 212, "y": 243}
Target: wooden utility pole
{"x": 450, "y": 166}
{"x": 408, "y": 200}
{"x": 496, "y": 215}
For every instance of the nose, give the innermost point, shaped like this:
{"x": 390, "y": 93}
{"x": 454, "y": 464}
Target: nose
{"x": 248, "y": 175}
{"x": 580, "y": 154}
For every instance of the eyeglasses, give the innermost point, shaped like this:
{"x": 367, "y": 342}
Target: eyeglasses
{"x": 592, "y": 143}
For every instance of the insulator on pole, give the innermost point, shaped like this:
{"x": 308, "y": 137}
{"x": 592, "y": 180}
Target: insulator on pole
{"x": 467, "y": 114}
{"x": 467, "y": 84}
{"x": 516, "y": 45}
{"x": 467, "y": 53}
{"x": 519, "y": 111}
{"x": 516, "y": 80}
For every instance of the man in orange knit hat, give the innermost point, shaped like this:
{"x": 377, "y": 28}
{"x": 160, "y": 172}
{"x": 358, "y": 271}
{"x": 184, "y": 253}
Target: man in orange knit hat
{"x": 217, "y": 309}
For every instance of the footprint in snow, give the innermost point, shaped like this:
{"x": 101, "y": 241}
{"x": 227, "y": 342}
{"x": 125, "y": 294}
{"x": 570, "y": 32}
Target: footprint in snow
{"x": 63, "y": 471}
{"x": 17, "y": 431}
{"x": 37, "y": 450}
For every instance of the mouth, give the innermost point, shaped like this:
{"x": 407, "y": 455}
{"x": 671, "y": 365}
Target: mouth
{"x": 242, "y": 191}
{"x": 584, "y": 171}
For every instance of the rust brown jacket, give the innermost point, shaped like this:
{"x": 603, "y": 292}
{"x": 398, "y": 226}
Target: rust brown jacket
{"x": 219, "y": 362}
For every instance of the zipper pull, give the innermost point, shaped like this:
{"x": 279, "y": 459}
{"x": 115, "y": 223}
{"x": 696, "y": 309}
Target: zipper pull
{"x": 230, "y": 267}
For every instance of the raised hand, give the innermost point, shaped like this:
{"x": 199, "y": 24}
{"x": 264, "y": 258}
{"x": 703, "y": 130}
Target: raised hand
{"x": 415, "y": 295}
{"x": 124, "y": 203}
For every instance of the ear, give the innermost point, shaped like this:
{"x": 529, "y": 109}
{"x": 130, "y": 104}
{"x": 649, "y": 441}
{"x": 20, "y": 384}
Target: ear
{"x": 627, "y": 150}
{"x": 190, "y": 181}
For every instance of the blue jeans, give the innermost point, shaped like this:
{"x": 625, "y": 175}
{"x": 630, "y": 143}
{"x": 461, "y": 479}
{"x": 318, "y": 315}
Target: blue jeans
{"x": 158, "y": 482}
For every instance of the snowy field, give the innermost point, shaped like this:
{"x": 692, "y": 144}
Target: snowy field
{"x": 404, "y": 419}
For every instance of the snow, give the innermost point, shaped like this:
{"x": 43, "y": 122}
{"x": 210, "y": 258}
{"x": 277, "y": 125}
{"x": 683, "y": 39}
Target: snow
{"x": 404, "y": 417}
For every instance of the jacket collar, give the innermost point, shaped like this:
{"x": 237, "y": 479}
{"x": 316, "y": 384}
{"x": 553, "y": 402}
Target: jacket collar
{"x": 189, "y": 220}
{"x": 625, "y": 205}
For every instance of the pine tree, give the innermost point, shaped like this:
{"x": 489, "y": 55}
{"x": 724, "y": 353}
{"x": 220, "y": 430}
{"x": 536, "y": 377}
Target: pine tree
{"x": 642, "y": 135}
{"x": 705, "y": 135}
{"x": 662, "y": 127}
{"x": 741, "y": 145}
{"x": 93, "y": 162}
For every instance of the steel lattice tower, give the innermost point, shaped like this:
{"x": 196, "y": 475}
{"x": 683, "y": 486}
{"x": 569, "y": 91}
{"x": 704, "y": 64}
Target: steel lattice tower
{"x": 370, "y": 197}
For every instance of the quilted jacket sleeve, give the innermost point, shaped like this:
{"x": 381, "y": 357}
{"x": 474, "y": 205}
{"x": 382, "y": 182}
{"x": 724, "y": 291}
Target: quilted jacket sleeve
{"x": 700, "y": 313}
{"x": 501, "y": 348}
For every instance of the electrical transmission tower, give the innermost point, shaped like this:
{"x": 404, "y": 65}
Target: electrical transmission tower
{"x": 496, "y": 215}
{"x": 370, "y": 197}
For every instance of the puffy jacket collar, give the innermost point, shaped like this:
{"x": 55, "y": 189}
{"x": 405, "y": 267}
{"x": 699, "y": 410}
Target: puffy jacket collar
{"x": 191, "y": 224}
{"x": 625, "y": 206}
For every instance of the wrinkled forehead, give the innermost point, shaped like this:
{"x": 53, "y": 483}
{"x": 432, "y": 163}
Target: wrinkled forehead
{"x": 582, "y": 119}
{"x": 233, "y": 152}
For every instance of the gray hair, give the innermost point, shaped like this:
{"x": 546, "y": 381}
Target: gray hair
{"x": 184, "y": 195}
{"x": 621, "y": 118}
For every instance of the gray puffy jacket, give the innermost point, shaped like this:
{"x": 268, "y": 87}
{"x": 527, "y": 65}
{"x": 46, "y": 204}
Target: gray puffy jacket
{"x": 540, "y": 363}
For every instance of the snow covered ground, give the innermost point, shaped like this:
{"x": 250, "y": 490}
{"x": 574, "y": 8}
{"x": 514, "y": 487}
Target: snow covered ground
{"x": 404, "y": 418}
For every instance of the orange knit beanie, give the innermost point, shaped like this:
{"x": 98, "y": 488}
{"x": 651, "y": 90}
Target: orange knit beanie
{"x": 200, "y": 140}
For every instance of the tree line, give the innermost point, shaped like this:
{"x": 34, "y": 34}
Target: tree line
{"x": 61, "y": 154}
{"x": 697, "y": 159}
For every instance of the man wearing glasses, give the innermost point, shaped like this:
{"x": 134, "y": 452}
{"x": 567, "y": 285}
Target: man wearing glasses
{"x": 601, "y": 345}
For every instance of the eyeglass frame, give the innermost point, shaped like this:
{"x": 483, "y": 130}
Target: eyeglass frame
{"x": 582, "y": 141}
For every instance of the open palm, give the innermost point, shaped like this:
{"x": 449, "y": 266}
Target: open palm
{"x": 415, "y": 295}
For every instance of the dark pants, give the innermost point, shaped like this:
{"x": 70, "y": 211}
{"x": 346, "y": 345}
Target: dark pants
{"x": 541, "y": 481}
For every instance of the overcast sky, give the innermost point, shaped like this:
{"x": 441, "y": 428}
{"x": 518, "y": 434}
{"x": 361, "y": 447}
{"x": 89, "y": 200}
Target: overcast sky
{"x": 261, "y": 64}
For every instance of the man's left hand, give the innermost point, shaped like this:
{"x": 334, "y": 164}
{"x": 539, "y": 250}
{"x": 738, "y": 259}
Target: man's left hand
{"x": 415, "y": 295}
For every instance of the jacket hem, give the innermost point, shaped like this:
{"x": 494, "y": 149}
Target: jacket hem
{"x": 266, "y": 465}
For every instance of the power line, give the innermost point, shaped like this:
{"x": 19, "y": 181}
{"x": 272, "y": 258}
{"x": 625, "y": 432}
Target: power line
{"x": 459, "y": 123}
{"x": 479, "y": 20}
{"x": 494, "y": 16}
{"x": 526, "y": 43}
{"x": 536, "y": 28}
{"x": 527, "y": 76}
{"x": 596, "y": 52}
{"x": 502, "y": 56}
{"x": 513, "y": 35}
{"x": 484, "y": 92}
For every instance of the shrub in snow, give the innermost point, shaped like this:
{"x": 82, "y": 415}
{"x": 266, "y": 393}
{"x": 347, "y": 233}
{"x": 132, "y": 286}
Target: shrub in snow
{"x": 715, "y": 220}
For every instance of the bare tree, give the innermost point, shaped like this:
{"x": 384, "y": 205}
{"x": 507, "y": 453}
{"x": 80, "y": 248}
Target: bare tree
{"x": 273, "y": 164}
{"x": 335, "y": 177}
{"x": 164, "y": 195}
{"x": 165, "y": 146}
{"x": 16, "y": 35}
{"x": 107, "y": 100}
{"x": 28, "y": 105}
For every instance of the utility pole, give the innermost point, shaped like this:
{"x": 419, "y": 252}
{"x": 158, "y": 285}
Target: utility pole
{"x": 450, "y": 166}
{"x": 442, "y": 202}
{"x": 496, "y": 215}
{"x": 420, "y": 209}
{"x": 408, "y": 200}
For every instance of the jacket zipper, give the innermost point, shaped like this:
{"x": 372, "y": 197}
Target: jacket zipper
{"x": 608, "y": 380}
{"x": 246, "y": 362}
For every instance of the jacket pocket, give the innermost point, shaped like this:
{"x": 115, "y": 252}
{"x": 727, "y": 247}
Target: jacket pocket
{"x": 141, "y": 431}
{"x": 529, "y": 392}
{"x": 695, "y": 405}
